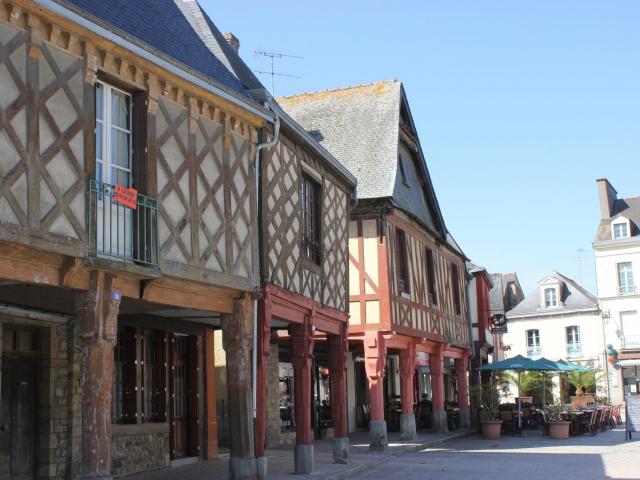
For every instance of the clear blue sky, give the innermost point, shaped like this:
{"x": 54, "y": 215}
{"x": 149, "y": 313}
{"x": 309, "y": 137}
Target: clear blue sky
{"x": 520, "y": 106}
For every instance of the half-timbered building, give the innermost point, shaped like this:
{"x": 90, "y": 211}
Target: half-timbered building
{"x": 305, "y": 196}
{"x": 407, "y": 281}
{"x": 128, "y": 237}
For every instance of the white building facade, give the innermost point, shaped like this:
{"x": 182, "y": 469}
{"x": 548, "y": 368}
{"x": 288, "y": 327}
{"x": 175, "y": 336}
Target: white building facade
{"x": 559, "y": 320}
{"x": 617, "y": 261}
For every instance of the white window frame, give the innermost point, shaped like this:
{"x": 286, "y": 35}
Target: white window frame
{"x": 547, "y": 303}
{"x": 623, "y": 224}
{"x": 626, "y": 283}
{"x": 573, "y": 335}
{"x": 105, "y": 163}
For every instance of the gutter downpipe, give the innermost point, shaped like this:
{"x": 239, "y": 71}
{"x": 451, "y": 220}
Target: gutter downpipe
{"x": 260, "y": 146}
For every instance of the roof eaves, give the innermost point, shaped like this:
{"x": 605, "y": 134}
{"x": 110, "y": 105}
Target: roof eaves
{"x": 113, "y": 34}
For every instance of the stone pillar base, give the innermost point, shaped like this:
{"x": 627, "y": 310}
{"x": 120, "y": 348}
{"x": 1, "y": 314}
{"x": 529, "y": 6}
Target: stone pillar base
{"x": 439, "y": 421}
{"x": 408, "y": 427}
{"x": 341, "y": 450}
{"x": 378, "y": 435}
{"x": 242, "y": 468}
{"x": 465, "y": 418}
{"x": 303, "y": 458}
{"x": 263, "y": 467}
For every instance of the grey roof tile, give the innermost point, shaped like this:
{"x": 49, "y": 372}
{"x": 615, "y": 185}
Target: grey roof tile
{"x": 573, "y": 297}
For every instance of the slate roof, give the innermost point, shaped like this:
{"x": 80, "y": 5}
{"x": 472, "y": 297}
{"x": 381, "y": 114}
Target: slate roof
{"x": 497, "y": 294}
{"x": 627, "y": 207}
{"x": 360, "y": 126}
{"x": 182, "y": 32}
{"x": 573, "y": 297}
{"x": 473, "y": 268}
{"x": 160, "y": 26}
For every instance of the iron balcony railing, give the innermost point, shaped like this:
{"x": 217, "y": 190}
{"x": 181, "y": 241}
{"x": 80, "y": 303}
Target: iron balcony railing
{"x": 574, "y": 350}
{"x": 631, "y": 341}
{"x": 119, "y": 232}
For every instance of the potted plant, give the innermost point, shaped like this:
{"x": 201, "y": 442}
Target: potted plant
{"x": 558, "y": 422}
{"x": 488, "y": 402}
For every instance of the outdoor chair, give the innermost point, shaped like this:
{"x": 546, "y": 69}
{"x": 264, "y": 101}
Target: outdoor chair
{"x": 593, "y": 420}
{"x": 599, "y": 419}
{"x": 617, "y": 418}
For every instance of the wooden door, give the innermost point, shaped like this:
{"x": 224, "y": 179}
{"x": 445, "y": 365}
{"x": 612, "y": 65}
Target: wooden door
{"x": 17, "y": 419}
{"x": 179, "y": 397}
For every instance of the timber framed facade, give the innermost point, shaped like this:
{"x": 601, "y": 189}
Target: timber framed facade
{"x": 303, "y": 319}
{"x": 407, "y": 278}
{"x": 128, "y": 238}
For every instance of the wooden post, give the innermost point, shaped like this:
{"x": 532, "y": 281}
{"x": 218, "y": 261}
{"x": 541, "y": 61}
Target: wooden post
{"x": 97, "y": 310}
{"x": 210, "y": 385}
{"x": 338, "y": 348}
{"x": 407, "y": 370}
{"x": 462, "y": 365}
{"x": 375, "y": 355}
{"x": 438, "y": 415}
{"x": 302, "y": 358}
{"x": 237, "y": 331}
{"x": 264, "y": 346}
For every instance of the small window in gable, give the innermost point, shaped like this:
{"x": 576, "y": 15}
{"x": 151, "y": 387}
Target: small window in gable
{"x": 550, "y": 297}
{"x": 620, "y": 230}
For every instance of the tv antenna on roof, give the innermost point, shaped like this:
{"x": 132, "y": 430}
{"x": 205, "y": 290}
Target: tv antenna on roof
{"x": 272, "y": 72}
{"x": 579, "y": 257}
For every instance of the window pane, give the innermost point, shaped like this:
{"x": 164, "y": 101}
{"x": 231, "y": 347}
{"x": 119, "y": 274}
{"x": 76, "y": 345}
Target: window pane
{"x": 120, "y": 109}
{"x": 99, "y": 101}
{"x": 120, "y": 153}
{"x": 99, "y": 133}
{"x": 99, "y": 173}
{"x": 120, "y": 177}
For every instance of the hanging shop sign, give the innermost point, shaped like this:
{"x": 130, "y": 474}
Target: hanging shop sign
{"x": 498, "y": 323}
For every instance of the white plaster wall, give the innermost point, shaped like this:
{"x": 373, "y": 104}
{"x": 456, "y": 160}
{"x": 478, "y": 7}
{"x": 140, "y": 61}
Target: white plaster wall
{"x": 553, "y": 338}
{"x": 611, "y": 303}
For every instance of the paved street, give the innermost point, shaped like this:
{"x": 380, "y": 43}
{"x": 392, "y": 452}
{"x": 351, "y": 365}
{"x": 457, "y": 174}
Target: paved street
{"x": 605, "y": 456}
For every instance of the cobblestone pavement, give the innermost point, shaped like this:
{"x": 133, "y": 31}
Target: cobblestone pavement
{"x": 281, "y": 460}
{"x": 605, "y": 456}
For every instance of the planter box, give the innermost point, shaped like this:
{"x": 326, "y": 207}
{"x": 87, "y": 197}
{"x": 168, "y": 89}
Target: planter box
{"x": 491, "y": 429}
{"x": 559, "y": 430}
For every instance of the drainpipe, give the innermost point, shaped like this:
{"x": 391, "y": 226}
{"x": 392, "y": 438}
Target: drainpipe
{"x": 260, "y": 146}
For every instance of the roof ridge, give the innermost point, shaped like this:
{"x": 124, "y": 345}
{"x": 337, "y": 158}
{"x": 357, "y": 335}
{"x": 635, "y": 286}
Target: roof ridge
{"x": 338, "y": 89}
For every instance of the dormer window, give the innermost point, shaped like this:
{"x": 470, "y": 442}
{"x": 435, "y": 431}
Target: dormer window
{"x": 550, "y": 297}
{"x": 620, "y": 230}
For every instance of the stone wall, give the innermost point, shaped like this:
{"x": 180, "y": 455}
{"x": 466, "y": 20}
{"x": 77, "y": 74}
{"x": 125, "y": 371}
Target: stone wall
{"x": 139, "y": 452}
{"x": 60, "y": 402}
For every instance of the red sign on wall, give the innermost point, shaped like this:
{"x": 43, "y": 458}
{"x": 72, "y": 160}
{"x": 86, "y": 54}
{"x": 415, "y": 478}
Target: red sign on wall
{"x": 126, "y": 196}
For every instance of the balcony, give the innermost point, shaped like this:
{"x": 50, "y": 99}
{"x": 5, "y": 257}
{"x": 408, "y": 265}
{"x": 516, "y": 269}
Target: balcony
{"x": 574, "y": 350}
{"x": 534, "y": 352}
{"x": 121, "y": 232}
{"x": 626, "y": 289}
{"x": 631, "y": 342}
